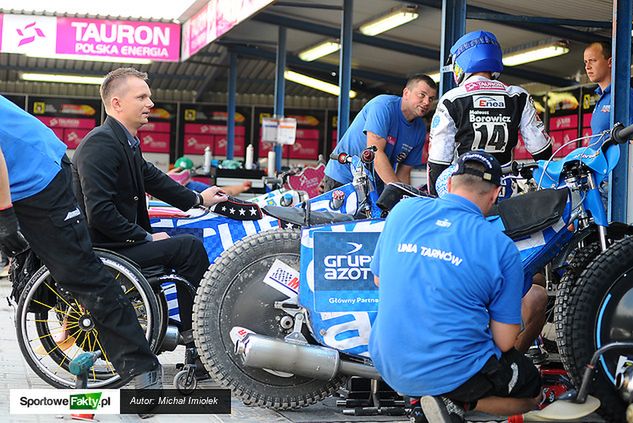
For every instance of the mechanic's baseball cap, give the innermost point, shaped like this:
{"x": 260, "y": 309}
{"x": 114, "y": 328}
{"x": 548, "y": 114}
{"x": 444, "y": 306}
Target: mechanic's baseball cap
{"x": 492, "y": 168}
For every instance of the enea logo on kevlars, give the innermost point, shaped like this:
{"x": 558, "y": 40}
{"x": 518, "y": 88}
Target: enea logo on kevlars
{"x": 489, "y": 102}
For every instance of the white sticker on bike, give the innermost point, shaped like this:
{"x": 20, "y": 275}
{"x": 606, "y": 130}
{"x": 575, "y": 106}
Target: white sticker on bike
{"x": 283, "y": 278}
{"x": 623, "y": 363}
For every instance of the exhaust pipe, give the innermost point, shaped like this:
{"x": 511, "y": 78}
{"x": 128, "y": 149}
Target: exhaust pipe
{"x": 301, "y": 359}
{"x": 624, "y": 383}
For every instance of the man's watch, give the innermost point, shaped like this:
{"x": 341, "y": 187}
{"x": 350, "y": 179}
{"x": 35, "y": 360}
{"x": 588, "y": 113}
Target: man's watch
{"x": 199, "y": 200}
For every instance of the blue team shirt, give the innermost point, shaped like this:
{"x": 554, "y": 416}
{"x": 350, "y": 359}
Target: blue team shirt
{"x": 444, "y": 273}
{"x": 600, "y": 118}
{"x": 32, "y": 151}
{"x": 383, "y": 116}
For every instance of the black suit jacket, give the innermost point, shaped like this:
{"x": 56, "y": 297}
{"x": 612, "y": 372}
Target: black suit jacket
{"x": 110, "y": 181}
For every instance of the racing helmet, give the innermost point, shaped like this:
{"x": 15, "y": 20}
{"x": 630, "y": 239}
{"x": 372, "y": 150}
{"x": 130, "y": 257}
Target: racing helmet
{"x": 477, "y": 51}
{"x": 184, "y": 163}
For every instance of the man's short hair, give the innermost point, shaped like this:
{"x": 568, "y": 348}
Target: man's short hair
{"x": 604, "y": 45}
{"x": 114, "y": 79}
{"x": 417, "y": 77}
{"x": 477, "y": 171}
{"x": 472, "y": 182}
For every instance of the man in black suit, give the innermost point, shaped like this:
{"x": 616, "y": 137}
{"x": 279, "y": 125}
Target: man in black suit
{"x": 110, "y": 179}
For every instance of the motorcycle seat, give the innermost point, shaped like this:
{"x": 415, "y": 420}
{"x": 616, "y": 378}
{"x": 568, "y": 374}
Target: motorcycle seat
{"x": 297, "y": 216}
{"x": 394, "y": 192}
{"x": 533, "y": 211}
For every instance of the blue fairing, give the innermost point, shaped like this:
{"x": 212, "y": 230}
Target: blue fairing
{"x": 216, "y": 232}
{"x": 601, "y": 164}
{"x": 345, "y": 331}
{"x": 349, "y": 331}
{"x": 541, "y": 247}
{"x": 219, "y": 233}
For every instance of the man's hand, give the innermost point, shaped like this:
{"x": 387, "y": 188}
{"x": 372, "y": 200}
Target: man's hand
{"x": 236, "y": 190}
{"x": 11, "y": 240}
{"x": 160, "y": 236}
{"x": 212, "y": 196}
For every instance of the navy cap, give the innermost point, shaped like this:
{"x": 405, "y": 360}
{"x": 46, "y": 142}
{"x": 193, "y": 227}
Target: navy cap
{"x": 492, "y": 168}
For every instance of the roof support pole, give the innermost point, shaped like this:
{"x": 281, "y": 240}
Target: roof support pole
{"x": 230, "y": 108}
{"x": 345, "y": 69}
{"x": 453, "y": 27}
{"x": 620, "y": 99}
{"x": 280, "y": 86}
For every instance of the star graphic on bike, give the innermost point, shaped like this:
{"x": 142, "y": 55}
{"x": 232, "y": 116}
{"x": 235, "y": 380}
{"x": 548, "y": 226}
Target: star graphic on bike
{"x": 242, "y": 212}
{"x": 232, "y": 210}
{"x": 253, "y": 212}
{"x": 223, "y": 208}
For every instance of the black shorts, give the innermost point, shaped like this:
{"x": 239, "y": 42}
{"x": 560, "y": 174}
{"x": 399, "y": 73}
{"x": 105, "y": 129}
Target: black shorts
{"x": 512, "y": 375}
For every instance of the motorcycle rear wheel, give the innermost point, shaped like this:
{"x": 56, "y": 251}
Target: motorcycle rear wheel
{"x": 596, "y": 311}
{"x": 232, "y": 293}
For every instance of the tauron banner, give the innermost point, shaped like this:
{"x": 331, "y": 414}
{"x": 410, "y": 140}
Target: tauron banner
{"x": 48, "y": 36}
{"x": 213, "y": 20}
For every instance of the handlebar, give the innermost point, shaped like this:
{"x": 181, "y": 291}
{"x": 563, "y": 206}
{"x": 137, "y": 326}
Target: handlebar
{"x": 367, "y": 156}
{"x": 621, "y": 134}
{"x": 342, "y": 158}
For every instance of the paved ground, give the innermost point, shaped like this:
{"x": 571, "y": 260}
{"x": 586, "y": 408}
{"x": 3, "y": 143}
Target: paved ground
{"x": 15, "y": 373}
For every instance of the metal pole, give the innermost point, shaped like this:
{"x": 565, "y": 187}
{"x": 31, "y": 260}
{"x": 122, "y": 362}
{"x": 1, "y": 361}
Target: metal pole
{"x": 620, "y": 95}
{"x": 345, "y": 69}
{"x": 280, "y": 85}
{"x": 453, "y": 27}
{"x": 230, "y": 110}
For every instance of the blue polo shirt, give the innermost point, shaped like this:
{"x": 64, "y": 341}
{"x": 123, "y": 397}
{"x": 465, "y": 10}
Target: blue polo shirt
{"x": 31, "y": 150}
{"x": 444, "y": 272}
{"x": 383, "y": 116}
{"x": 600, "y": 119}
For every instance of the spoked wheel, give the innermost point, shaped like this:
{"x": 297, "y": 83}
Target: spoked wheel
{"x": 233, "y": 294}
{"x": 53, "y": 327}
{"x": 596, "y": 311}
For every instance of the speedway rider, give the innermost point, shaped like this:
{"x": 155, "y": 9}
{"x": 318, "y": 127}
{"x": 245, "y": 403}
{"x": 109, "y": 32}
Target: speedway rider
{"x": 482, "y": 113}
{"x": 485, "y": 114}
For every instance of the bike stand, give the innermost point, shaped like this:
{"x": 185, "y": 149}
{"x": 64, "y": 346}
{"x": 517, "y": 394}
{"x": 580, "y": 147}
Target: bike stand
{"x": 185, "y": 380}
{"x": 370, "y": 397}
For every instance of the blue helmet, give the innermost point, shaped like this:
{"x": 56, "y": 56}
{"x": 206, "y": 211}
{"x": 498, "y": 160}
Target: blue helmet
{"x": 477, "y": 51}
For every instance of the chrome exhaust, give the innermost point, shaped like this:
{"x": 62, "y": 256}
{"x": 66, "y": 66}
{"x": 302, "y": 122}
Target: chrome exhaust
{"x": 624, "y": 383}
{"x": 307, "y": 360}
{"x": 171, "y": 339}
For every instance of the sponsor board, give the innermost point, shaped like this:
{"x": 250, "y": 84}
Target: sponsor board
{"x": 343, "y": 280}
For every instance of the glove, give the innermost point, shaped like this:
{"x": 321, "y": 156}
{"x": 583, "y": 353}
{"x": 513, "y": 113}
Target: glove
{"x": 12, "y": 242}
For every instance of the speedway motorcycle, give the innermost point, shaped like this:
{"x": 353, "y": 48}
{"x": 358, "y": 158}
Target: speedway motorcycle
{"x": 283, "y": 317}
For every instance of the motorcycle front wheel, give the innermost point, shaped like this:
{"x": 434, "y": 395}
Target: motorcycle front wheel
{"x": 233, "y": 294}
